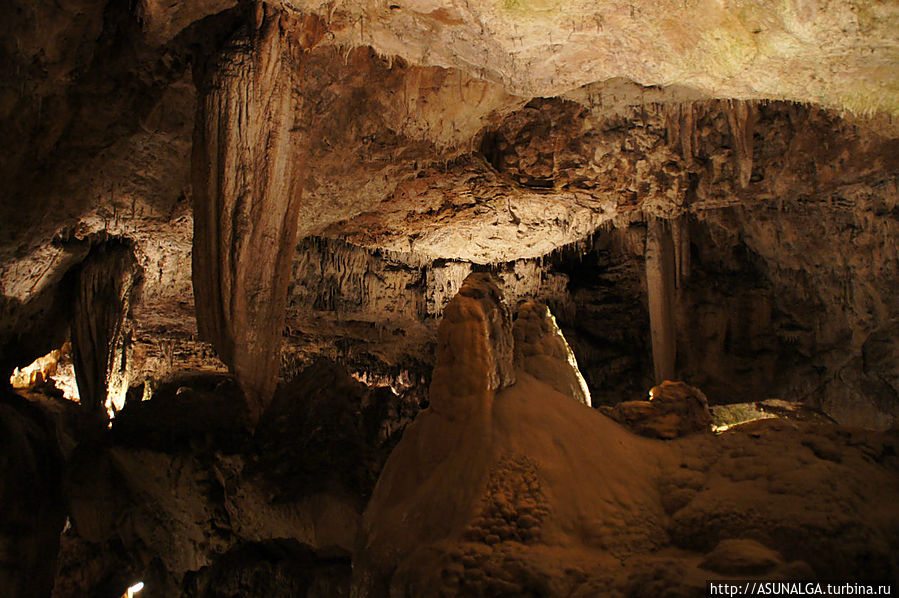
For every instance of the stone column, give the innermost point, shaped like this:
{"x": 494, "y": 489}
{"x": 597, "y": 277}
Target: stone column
{"x": 660, "y": 288}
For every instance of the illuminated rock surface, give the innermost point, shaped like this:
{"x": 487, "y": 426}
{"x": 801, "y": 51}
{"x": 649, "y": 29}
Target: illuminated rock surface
{"x": 534, "y": 494}
{"x": 698, "y": 191}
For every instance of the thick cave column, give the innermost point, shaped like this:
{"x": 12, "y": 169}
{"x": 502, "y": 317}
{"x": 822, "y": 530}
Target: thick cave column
{"x": 104, "y": 284}
{"x": 660, "y": 268}
{"x": 246, "y": 196}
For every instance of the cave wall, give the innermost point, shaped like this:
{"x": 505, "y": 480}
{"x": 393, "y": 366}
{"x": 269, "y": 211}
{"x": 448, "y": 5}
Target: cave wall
{"x": 34, "y": 512}
{"x": 745, "y": 324}
{"x": 184, "y": 496}
{"x": 366, "y": 286}
{"x": 444, "y": 171}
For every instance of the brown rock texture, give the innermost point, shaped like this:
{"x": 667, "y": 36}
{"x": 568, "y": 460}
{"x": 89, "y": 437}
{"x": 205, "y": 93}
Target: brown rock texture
{"x": 182, "y": 495}
{"x": 323, "y": 200}
{"x": 531, "y": 492}
{"x": 542, "y": 351}
{"x": 475, "y": 348}
{"x": 33, "y": 512}
{"x": 245, "y": 200}
{"x": 674, "y": 409}
{"x": 104, "y": 284}
{"x": 435, "y": 166}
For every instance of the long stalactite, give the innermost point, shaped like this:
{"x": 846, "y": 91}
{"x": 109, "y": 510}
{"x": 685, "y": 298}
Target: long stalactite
{"x": 246, "y": 197}
{"x": 104, "y": 285}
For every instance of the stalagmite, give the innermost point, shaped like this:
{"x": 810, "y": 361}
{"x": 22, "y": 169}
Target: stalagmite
{"x": 246, "y": 197}
{"x": 104, "y": 284}
{"x": 474, "y": 346}
{"x": 660, "y": 287}
{"x": 741, "y": 116}
{"x": 542, "y": 351}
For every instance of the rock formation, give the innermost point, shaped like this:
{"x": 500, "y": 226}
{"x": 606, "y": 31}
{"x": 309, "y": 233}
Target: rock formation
{"x": 33, "y": 512}
{"x": 474, "y": 348}
{"x": 528, "y": 492}
{"x": 244, "y": 167}
{"x": 184, "y": 497}
{"x": 104, "y": 283}
{"x": 697, "y": 191}
{"x": 674, "y": 409}
{"x": 542, "y": 351}
{"x": 660, "y": 275}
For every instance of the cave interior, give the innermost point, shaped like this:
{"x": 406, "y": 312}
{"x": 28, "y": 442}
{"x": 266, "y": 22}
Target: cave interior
{"x": 546, "y": 298}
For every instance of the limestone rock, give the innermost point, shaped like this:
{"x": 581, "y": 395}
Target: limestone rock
{"x": 674, "y": 409}
{"x": 542, "y": 351}
{"x": 547, "y": 142}
{"x": 273, "y": 568}
{"x": 741, "y": 557}
{"x": 182, "y": 482}
{"x": 104, "y": 283}
{"x": 492, "y": 499}
{"x": 245, "y": 214}
{"x": 33, "y": 513}
{"x": 474, "y": 346}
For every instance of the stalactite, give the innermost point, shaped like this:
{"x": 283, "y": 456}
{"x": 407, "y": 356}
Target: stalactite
{"x": 246, "y": 197}
{"x": 680, "y": 233}
{"x": 741, "y": 116}
{"x": 104, "y": 284}
{"x": 680, "y": 126}
{"x": 660, "y": 287}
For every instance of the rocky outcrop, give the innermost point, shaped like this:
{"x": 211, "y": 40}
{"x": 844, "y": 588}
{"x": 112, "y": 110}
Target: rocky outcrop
{"x": 273, "y": 568}
{"x": 182, "y": 495}
{"x": 741, "y": 557}
{"x": 674, "y": 409}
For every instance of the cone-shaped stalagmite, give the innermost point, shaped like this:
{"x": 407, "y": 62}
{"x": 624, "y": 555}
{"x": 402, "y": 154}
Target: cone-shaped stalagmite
{"x": 246, "y": 196}
{"x": 474, "y": 345}
{"x": 542, "y": 351}
{"x": 104, "y": 282}
{"x": 501, "y": 468}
